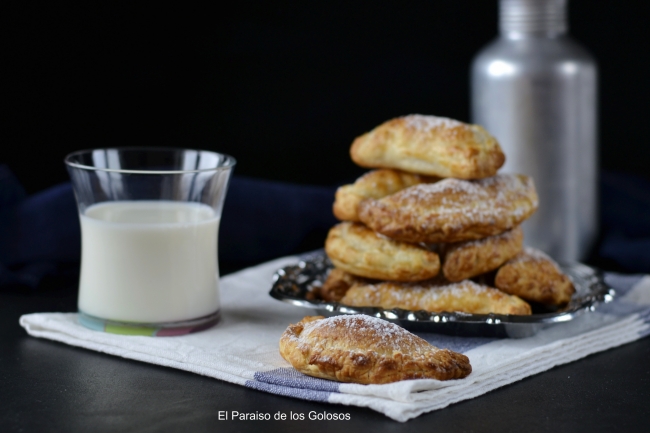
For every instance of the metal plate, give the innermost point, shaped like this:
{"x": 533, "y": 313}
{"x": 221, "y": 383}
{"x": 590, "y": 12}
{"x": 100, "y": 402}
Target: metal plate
{"x": 295, "y": 285}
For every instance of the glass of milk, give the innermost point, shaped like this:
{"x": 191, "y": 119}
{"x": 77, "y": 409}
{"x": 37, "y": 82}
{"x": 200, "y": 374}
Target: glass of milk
{"x": 149, "y": 229}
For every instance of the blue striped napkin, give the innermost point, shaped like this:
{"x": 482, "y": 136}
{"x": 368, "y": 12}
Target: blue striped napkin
{"x": 243, "y": 347}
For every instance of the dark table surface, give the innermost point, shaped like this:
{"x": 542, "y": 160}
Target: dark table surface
{"x": 50, "y": 387}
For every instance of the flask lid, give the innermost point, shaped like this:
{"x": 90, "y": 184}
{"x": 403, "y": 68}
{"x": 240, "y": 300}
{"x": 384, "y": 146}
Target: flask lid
{"x": 546, "y": 17}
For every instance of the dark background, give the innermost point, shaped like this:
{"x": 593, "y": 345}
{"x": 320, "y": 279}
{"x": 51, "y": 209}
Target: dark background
{"x": 282, "y": 86}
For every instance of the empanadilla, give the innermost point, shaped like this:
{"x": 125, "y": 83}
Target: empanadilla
{"x": 452, "y": 210}
{"x": 463, "y": 260}
{"x": 534, "y": 276}
{"x": 358, "y": 250}
{"x": 430, "y": 145}
{"x": 366, "y": 350}
{"x": 435, "y": 296}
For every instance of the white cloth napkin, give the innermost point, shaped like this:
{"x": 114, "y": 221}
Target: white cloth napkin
{"x": 243, "y": 347}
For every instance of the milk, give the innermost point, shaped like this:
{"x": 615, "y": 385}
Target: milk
{"x": 149, "y": 261}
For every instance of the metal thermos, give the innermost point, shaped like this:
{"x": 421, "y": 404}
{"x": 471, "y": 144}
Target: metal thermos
{"x": 534, "y": 89}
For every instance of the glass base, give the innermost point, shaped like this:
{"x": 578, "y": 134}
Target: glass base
{"x": 168, "y": 329}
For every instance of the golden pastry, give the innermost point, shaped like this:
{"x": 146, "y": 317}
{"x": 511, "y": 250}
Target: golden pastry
{"x": 434, "y": 146}
{"x": 465, "y": 260}
{"x": 374, "y": 184}
{"x": 367, "y": 350}
{"x": 465, "y": 296}
{"x": 337, "y": 283}
{"x": 452, "y": 210}
{"x": 358, "y": 250}
{"x": 534, "y": 276}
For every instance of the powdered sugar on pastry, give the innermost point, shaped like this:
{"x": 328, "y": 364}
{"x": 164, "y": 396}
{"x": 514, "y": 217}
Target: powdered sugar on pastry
{"x": 414, "y": 293}
{"x": 452, "y": 210}
{"x": 465, "y": 296}
{"x": 426, "y": 123}
{"x": 430, "y": 145}
{"x": 382, "y": 333}
{"x": 445, "y": 186}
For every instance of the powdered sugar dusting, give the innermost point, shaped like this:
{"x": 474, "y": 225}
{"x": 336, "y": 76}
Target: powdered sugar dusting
{"x": 358, "y": 321}
{"x": 435, "y": 292}
{"x": 385, "y": 334}
{"x": 425, "y": 123}
{"x": 417, "y": 296}
{"x": 449, "y": 185}
{"x": 534, "y": 255}
{"x": 504, "y": 199}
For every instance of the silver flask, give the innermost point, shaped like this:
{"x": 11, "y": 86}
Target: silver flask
{"x": 534, "y": 89}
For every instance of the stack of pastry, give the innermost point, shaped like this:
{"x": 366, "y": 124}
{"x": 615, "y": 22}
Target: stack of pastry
{"x": 434, "y": 227}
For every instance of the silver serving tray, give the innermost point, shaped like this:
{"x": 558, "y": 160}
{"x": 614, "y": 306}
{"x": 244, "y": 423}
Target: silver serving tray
{"x": 295, "y": 285}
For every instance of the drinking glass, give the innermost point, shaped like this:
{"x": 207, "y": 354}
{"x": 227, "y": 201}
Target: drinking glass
{"x": 149, "y": 232}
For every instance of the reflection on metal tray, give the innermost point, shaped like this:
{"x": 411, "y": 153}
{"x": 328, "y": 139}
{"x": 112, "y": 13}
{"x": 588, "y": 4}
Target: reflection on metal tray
{"x": 296, "y": 285}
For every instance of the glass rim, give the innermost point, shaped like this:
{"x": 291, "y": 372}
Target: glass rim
{"x": 229, "y": 161}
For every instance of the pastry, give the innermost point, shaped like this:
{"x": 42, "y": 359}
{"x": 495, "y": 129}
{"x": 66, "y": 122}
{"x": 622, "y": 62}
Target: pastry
{"x": 358, "y": 250}
{"x": 374, "y": 184}
{"x": 429, "y": 145}
{"x": 463, "y": 260}
{"x": 367, "y": 350}
{"x": 434, "y": 296}
{"x": 337, "y": 283}
{"x": 534, "y": 276}
{"x": 452, "y": 210}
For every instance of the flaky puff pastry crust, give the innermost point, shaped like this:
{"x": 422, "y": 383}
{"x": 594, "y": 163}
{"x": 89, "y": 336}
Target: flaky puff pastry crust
{"x": 367, "y": 350}
{"x": 430, "y": 145}
{"x": 452, "y": 210}
{"x": 358, "y": 250}
{"x": 534, "y": 276}
{"x": 435, "y": 296}
{"x": 374, "y": 184}
{"x": 465, "y": 260}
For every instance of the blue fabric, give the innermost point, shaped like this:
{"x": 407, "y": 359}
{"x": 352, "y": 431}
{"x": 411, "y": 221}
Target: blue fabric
{"x": 264, "y": 219}
{"x": 37, "y": 233}
{"x": 625, "y": 218}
